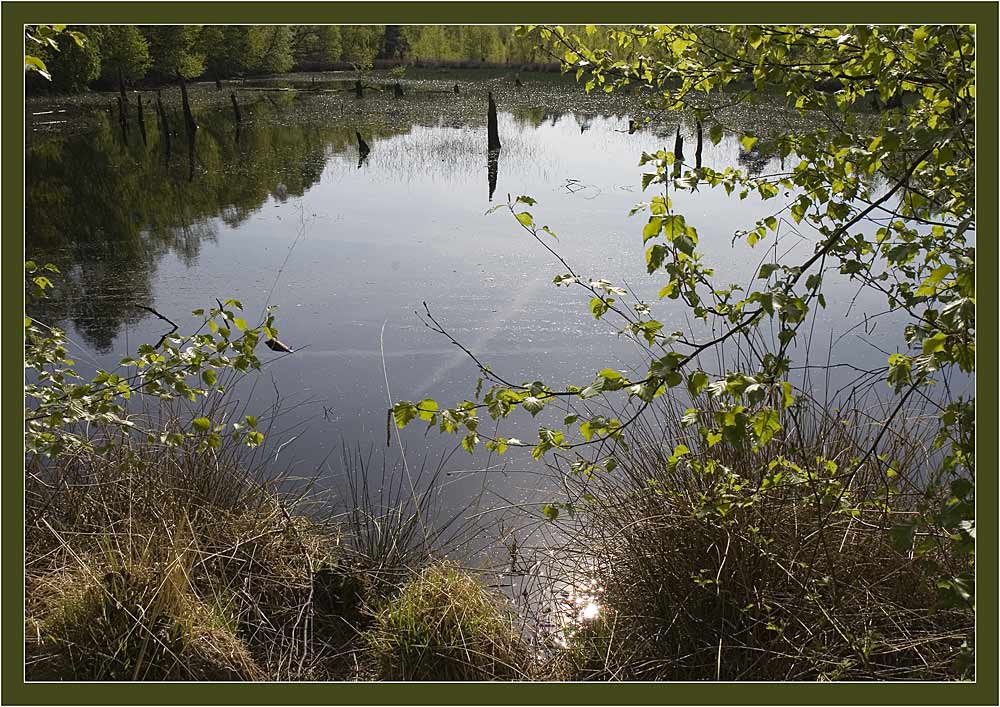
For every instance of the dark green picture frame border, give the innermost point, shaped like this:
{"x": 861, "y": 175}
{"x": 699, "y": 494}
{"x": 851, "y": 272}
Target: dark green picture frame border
{"x": 15, "y": 691}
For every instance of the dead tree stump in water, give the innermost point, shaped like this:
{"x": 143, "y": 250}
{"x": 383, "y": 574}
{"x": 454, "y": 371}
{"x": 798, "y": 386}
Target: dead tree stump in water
{"x": 397, "y": 90}
{"x": 218, "y": 84}
{"x": 363, "y": 149}
{"x": 192, "y": 126}
{"x": 678, "y": 152}
{"x": 121, "y": 90}
{"x": 359, "y": 90}
{"x": 164, "y": 125}
{"x": 697, "y": 149}
{"x": 456, "y": 89}
{"x": 122, "y": 106}
{"x": 678, "y": 146}
{"x": 192, "y": 155}
{"x": 122, "y": 119}
{"x": 141, "y": 118}
{"x": 493, "y": 133}
{"x": 236, "y": 108}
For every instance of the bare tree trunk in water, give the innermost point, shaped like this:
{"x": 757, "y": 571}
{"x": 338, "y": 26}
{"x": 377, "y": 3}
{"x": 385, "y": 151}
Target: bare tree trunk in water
{"x": 141, "y": 119}
{"x": 491, "y": 124}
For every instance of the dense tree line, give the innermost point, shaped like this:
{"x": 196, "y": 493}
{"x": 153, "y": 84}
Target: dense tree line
{"x": 159, "y": 52}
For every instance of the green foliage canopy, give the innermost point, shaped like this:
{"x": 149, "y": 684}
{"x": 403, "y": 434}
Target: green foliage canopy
{"x": 316, "y": 45}
{"x": 67, "y": 52}
{"x": 124, "y": 52}
{"x": 174, "y": 49}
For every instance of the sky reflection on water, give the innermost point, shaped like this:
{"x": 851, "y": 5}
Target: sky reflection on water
{"x": 284, "y": 215}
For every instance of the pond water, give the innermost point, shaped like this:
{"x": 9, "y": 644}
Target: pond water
{"x": 280, "y": 212}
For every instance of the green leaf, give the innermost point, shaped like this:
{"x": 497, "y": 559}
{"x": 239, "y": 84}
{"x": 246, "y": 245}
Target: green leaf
{"x": 209, "y": 376}
{"x": 652, "y": 228}
{"x": 787, "y": 397}
{"x": 202, "y": 424}
{"x": 533, "y": 405}
{"x": 403, "y": 412}
{"x": 685, "y": 245}
{"x": 798, "y": 211}
{"x": 929, "y": 286}
{"x": 550, "y": 512}
{"x": 748, "y": 141}
{"x": 765, "y": 424}
{"x": 697, "y": 382}
{"x": 674, "y": 226}
{"x": 599, "y": 306}
{"x": 525, "y": 219}
{"x": 33, "y": 63}
{"x": 767, "y": 269}
{"x": 655, "y": 255}
{"x": 935, "y": 343}
{"x": 593, "y": 390}
{"x": 901, "y": 535}
{"x": 427, "y": 409}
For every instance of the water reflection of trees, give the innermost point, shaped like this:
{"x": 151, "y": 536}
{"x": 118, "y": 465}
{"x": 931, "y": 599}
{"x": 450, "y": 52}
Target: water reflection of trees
{"x": 754, "y": 161}
{"x": 106, "y": 212}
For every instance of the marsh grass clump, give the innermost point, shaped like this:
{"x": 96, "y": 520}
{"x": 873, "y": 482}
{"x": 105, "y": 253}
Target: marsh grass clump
{"x": 762, "y": 564}
{"x": 139, "y": 623}
{"x": 445, "y": 625}
{"x": 147, "y": 563}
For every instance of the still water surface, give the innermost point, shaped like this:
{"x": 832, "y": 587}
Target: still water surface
{"x": 280, "y": 212}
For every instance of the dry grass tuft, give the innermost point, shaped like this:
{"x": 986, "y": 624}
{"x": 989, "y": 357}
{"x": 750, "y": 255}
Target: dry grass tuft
{"x": 445, "y": 625}
{"x": 708, "y": 572}
{"x": 146, "y": 563}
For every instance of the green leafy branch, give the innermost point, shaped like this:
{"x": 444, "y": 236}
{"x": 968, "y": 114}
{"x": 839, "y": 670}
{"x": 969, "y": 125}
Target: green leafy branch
{"x": 61, "y": 405}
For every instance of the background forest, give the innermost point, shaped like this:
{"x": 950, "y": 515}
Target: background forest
{"x": 155, "y": 53}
